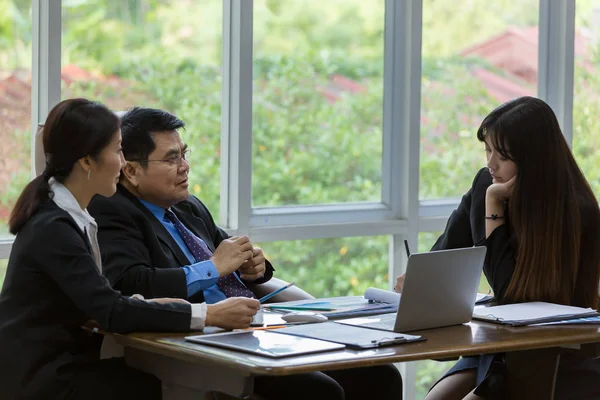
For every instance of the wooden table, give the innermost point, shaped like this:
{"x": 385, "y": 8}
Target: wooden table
{"x": 532, "y": 355}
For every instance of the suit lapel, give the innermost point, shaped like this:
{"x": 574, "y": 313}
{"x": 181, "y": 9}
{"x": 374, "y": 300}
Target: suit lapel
{"x": 194, "y": 224}
{"x": 161, "y": 232}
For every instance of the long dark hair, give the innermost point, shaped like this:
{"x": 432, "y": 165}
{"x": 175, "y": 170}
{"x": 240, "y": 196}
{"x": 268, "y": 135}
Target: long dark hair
{"x": 74, "y": 129}
{"x": 553, "y": 211}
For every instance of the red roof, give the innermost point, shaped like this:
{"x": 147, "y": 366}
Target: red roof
{"x": 515, "y": 52}
{"x": 500, "y": 88}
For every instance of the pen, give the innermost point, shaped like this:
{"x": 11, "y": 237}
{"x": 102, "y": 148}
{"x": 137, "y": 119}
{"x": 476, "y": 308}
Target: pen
{"x": 406, "y": 247}
{"x": 268, "y": 296}
{"x": 299, "y": 308}
{"x": 265, "y": 328}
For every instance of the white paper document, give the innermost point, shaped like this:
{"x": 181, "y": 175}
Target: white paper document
{"x": 530, "y": 313}
{"x": 386, "y": 296}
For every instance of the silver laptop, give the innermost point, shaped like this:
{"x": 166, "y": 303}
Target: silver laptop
{"x": 440, "y": 289}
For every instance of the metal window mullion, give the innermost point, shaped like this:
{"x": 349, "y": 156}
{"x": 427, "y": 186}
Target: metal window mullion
{"x": 402, "y": 101}
{"x": 556, "y": 59}
{"x": 236, "y": 120}
{"x": 432, "y": 224}
{"x": 326, "y": 231}
{"x": 315, "y": 215}
{"x": 46, "y": 56}
{"x": 401, "y": 127}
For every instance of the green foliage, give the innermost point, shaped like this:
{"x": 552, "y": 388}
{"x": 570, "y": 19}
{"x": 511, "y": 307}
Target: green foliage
{"x": 428, "y": 373}
{"x": 295, "y": 129}
{"x": 15, "y": 34}
{"x": 331, "y": 267}
{"x": 586, "y": 124}
{"x": 449, "y": 27}
{"x": 19, "y": 177}
{"x": 306, "y": 149}
{"x": 454, "y": 104}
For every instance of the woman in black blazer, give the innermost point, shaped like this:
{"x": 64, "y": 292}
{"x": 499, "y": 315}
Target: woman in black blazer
{"x": 539, "y": 219}
{"x": 54, "y": 285}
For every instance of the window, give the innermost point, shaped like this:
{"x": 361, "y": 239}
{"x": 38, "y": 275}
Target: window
{"x": 586, "y": 101}
{"x": 475, "y": 57}
{"x": 15, "y": 106}
{"x": 164, "y": 55}
{"x": 317, "y": 102}
{"x": 331, "y": 267}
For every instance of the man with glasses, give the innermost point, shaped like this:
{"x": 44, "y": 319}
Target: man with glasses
{"x": 155, "y": 238}
{"x": 158, "y": 241}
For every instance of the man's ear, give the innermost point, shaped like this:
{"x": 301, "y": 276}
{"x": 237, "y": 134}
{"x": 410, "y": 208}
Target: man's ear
{"x": 131, "y": 172}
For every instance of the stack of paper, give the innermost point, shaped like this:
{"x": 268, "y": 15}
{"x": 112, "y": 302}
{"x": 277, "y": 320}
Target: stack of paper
{"x": 375, "y": 301}
{"x": 336, "y": 307}
{"x": 579, "y": 321}
{"x": 385, "y": 296}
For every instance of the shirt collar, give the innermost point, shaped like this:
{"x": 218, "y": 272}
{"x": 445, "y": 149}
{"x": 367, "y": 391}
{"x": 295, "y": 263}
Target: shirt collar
{"x": 157, "y": 211}
{"x": 65, "y": 200}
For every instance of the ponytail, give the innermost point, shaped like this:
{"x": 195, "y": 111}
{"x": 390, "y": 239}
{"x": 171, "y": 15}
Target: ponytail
{"x": 36, "y": 193}
{"x": 74, "y": 128}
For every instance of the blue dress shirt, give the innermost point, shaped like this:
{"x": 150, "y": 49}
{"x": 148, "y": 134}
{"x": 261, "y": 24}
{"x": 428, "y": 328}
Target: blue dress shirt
{"x": 201, "y": 275}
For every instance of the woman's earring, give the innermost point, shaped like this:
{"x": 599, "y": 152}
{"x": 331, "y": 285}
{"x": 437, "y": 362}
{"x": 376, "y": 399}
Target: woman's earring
{"x": 89, "y": 172}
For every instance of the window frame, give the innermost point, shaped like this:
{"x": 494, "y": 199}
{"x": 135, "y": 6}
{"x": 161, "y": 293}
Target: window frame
{"x": 400, "y": 214}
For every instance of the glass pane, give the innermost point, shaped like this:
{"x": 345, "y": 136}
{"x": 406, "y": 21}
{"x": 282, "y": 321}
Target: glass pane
{"x": 479, "y": 55}
{"x": 317, "y": 101}
{"x": 15, "y": 105}
{"x": 428, "y": 372}
{"x": 157, "y": 54}
{"x": 331, "y": 267}
{"x": 586, "y": 101}
{"x": 427, "y": 240}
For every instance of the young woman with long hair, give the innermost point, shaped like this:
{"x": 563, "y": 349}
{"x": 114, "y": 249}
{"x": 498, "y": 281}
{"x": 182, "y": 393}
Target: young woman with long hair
{"x": 539, "y": 219}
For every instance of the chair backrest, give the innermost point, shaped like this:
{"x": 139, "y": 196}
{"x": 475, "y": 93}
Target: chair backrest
{"x": 40, "y": 156}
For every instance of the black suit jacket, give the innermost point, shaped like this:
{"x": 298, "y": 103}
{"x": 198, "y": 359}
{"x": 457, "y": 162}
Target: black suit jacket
{"x": 466, "y": 228}
{"x": 52, "y": 287}
{"x": 140, "y": 256}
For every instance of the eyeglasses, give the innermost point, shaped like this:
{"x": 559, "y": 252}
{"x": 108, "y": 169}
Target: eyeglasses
{"x": 172, "y": 161}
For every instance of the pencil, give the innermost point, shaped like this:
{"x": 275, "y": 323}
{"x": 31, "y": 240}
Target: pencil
{"x": 265, "y": 328}
{"x": 281, "y": 289}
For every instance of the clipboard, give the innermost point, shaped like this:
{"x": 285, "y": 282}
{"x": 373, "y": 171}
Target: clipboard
{"x": 354, "y": 337}
{"x": 531, "y": 313}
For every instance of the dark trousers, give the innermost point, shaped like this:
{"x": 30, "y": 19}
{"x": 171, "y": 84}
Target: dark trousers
{"x": 113, "y": 379}
{"x": 380, "y": 382}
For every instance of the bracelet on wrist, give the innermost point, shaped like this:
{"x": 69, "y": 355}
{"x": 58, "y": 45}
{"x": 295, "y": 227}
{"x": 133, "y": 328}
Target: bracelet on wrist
{"x": 494, "y": 217}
